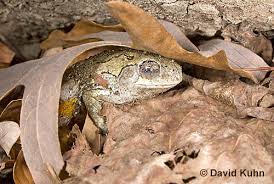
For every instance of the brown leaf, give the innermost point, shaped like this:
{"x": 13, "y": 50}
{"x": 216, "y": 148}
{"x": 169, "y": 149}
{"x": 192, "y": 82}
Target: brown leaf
{"x": 21, "y": 174}
{"x": 52, "y": 51}
{"x": 107, "y": 36}
{"x": 81, "y": 155}
{"x": 237, "y": 55}
{"x": 249, "y": 100}
{"x": 42, "y": 80}
{"x": 124, "y": 37}
{"x": 9, "y": 133}
{"x": 258, "y": 112}
{"x": 55, "y": 39}
{"x": 151, "y": 35}
{"x": 95, "y": 140}
{"x": 260, "y": 45}
{"x": 179, "y": 36}
{"x": 3, "y": 65}
{"x": 58, "y": 38}
{"x": 6, "y": 55}
{"x": 12, "y": 111}
{"x": 84, "y": 27}
{"x": 256, "y": 42}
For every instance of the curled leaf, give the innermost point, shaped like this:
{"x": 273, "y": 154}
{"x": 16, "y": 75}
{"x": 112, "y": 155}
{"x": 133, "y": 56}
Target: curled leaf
{"x": 124, "y": 36}
{"x": 180, "y": 37}
{"x": 42, "y": 80}
{"x": 9, "y": 133}
{"x": 21, "y": 173}
{"x": 237, "y": 55}
{"x": 12, "y": 111}
{"x": 108, "y": 36}
{"x": 60, "y": 39}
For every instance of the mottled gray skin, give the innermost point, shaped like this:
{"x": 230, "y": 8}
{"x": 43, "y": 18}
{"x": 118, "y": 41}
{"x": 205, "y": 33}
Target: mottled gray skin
{"x": 118, "y": 76}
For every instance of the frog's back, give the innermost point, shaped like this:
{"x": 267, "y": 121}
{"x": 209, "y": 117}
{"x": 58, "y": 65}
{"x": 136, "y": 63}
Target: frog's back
{"x": 78, "y": 78}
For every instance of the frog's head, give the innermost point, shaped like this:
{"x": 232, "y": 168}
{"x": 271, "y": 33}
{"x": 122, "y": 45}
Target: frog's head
{"x": 150, "y": 75}
{"x": 163, "y": 74}
{"x": 132, "y": 75}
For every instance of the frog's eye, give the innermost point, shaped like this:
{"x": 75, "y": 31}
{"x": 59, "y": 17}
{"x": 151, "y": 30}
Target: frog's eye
{"x": 149, "y": 69}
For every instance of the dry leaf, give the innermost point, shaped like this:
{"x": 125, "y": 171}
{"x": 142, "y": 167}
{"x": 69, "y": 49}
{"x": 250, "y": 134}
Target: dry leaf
{"x": 260, "y": 45}
{"x": 6, "y": 55}
{"x": 237, "y": 55}
{"x": 55, "y": 39}
{"x": 42, "y": 80}
{"x": 151, "y": 35}
{"x": 21, "y": 174}
{"x": 80, "y": 156}
{"x": 170, "y": 138}
{"x": 4, "y": 159}
{"x": 179, "y": 36}
{"x": 256, "y": 42}
{"x": 52, "y": 51}
{"x": 249, "y": 100}
{"x": 107, "y": 36}
{"x": 95, "y": 140}
{"x": 124, "y": 37}
{"x": 9, "y": 133}
{"x": 3, "y": 65}
{"x": 12, "y": 111}
{"x": 60, "y": 39}
{"x": 84, "y": 27}
{"x": 13, "y": 95}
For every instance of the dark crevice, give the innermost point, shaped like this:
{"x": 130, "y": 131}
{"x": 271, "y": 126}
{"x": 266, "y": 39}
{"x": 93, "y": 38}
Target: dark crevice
{"x": 187, "y": 180}
{"x": 157, "y": 153}
{"x": 170, "y": 164}
{"x": 194, "y": 154}
{"x": 96, "y": 168}
{"x": 187, "y": 8}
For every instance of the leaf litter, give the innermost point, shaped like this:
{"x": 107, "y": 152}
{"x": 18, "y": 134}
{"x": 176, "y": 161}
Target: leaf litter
{"x": 143, "y": 145}
{"x": 170, "y": 138}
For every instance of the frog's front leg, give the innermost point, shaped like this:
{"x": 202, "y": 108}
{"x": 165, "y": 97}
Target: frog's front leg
{"x": 94, "y": 108}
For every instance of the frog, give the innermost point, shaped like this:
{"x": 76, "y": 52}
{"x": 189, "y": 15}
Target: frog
{"x": 118, "y": 76}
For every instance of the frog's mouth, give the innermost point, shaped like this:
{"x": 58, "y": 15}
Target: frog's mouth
{"x": 169, "y": 85}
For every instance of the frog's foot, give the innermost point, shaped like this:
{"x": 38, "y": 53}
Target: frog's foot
{"x": 94, "y": 108}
